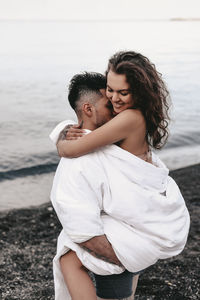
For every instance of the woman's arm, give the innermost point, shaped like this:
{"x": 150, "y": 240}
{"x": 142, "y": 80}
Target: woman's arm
{"x": 113, "y": 131}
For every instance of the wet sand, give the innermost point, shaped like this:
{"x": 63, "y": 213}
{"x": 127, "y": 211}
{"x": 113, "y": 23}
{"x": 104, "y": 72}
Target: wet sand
{"x": 28, "y": 244}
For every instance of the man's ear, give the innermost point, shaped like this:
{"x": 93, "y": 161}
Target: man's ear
{"x": 87, "y": 109}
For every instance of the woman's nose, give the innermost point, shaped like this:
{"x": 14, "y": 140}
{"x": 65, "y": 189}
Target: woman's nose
{"x": 115, "y": 97}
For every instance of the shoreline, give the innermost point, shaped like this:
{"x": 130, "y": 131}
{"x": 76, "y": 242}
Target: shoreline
{"x": 28, "y": 246}
{"x": 33, "y": 188}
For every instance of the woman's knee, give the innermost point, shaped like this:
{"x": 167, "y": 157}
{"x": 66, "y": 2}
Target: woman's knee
{"x": 69, "y": 260}
{"x": 65, "y": 259}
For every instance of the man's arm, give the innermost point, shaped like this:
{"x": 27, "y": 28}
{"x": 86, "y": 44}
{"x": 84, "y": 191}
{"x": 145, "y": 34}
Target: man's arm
{"x": 100, "y": 247}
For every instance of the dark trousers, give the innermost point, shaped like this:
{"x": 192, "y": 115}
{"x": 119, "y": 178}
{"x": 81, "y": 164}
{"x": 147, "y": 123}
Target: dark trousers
{"x": 116, "y": 286}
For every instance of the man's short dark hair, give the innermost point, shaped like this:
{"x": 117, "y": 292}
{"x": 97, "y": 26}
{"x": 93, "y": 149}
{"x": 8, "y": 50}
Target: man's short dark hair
{"x": 83, "y": 85}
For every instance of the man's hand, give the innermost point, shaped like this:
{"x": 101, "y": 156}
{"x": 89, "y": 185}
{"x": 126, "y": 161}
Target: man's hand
{"x": 100, "y": 247}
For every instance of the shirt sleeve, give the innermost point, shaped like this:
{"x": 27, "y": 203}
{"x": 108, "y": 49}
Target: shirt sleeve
{"x": 77, "y": 198}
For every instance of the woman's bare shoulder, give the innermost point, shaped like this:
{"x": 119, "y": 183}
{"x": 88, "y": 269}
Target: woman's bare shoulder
{"x": 131, "y": 116}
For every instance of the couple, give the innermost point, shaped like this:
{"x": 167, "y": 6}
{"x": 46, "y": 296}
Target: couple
{"x": 119, "y": 209}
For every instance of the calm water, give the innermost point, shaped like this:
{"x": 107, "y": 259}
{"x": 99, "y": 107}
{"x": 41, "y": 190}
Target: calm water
{"x": 37, "y": 60}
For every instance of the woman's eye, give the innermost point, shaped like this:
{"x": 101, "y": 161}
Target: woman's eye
{"x": 124, "y": 94}
{"x": 109, "y": 90}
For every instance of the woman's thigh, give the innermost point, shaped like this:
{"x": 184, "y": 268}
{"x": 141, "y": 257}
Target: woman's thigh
{"x": 69, "y": 260}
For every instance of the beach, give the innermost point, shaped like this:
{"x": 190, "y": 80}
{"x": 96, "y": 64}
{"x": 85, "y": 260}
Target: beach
{"x": 28, "y": 245}
{"x": 38, "y": 59}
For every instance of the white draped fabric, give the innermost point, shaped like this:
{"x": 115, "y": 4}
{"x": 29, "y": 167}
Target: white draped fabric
{"x": 110, "y": 191}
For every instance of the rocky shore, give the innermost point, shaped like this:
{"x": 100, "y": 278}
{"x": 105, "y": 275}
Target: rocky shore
{"x": 28, "y": 244}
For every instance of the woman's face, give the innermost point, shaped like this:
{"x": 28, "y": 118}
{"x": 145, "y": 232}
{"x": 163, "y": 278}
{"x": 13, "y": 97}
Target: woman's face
{"x": 118, "y": 92}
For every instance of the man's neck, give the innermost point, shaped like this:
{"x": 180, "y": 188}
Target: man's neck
{"x": 87, "y": 125}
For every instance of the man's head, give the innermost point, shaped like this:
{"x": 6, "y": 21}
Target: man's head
{"x": 88, "y": 98}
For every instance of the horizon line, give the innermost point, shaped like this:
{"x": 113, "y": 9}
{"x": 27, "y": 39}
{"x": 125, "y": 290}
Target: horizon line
{"x": 176, "y": 19}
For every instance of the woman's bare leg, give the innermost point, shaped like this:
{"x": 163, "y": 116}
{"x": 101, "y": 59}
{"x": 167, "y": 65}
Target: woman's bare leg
{"x": 76, "y": 278}
{"x": 135, "y": 282}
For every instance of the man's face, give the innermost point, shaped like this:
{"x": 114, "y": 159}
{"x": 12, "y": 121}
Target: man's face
{"x": 103, "y": 110}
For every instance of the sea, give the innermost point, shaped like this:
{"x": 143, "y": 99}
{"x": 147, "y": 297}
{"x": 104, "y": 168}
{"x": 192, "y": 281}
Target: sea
{"x": 37, "y": 61}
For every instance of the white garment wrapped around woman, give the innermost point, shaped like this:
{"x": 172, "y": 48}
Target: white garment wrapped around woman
{"x": 137, "y": 205}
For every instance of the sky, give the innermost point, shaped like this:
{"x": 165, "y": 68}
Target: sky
{"x": 98, "y": 9}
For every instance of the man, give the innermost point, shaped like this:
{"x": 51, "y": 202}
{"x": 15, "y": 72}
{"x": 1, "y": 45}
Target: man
{"x": 79, "y": 197}
{"x": 93, "y": 109}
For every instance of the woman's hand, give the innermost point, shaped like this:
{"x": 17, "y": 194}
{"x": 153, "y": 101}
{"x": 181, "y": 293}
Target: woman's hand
{"x": 70, "y": 132}
{"x": 74, "y": 132}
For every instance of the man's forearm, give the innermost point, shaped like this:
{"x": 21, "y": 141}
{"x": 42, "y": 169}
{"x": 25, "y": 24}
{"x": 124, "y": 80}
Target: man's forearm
{"x": 100, "y": 247}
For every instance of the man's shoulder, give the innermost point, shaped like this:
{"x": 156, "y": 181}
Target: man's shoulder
{"x": 81, "y": 168}
{"x": 84, "y": 161}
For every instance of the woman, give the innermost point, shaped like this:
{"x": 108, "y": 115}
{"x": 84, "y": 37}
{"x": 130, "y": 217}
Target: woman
{"x": 139, "y": 99}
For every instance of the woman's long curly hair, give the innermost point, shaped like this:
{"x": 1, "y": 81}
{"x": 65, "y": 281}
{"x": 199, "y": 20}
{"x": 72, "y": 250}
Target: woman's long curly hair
{"x": 149, "y": 92}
